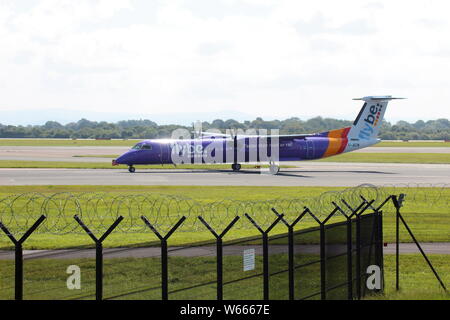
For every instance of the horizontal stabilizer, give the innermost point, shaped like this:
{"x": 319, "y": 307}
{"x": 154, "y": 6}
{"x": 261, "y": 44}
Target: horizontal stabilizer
{"x": 368, "y": 122}
{"x": 378, "y": 98}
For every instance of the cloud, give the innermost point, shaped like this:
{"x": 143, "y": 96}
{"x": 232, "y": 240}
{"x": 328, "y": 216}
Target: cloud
{"x": 208, "y": 48}
{"x": 267, "y": 58}
{"x": 431, "y": 23}
{"x": 55, "y": 18}
{"x": 325, "y": 46}
{"x": 321, "y": 25}
{"x": 219, "y": 9}
{"x": 356, "y": 27}
{"x": 374, "y": 5}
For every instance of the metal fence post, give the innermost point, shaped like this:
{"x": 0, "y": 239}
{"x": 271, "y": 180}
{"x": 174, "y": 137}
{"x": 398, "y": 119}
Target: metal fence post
{"x": 397, "y": 238}
{"x": 265, "y": 239}
{"x": 349, "y": 245}
{"x": 380, "y": 247}
{"x": 98, "y": 253}
{"x": 358, "y": 246}
{"x": 323, "y": 257}
{"x": 358, "y": 256}
{"x": 291, "y": 257}
{"x": 322, "y": 250}
{"x": 219, "y": 252}
{"x": 164, "y": 254}
{"x": 349, "y": 260}
{"x": 98, "y": 271}
{"x": 397, "y": 246}
{"x": 164, "y": 271}
{"x": 323, "y": 290}
{"x": 18, "y": 285}
{"x": 291, "y": 262}
{"x": 219, "y": 268}
{"x": 356, "y": 212}
{"x": 18, "y": 264}
{"x": 398, "y": 204}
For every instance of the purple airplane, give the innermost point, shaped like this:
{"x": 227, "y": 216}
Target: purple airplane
{"x": 213, "y": 148}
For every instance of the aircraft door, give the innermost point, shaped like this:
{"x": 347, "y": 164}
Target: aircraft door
{"x": 165, "y": 153}
{"x": 309, "y": 149}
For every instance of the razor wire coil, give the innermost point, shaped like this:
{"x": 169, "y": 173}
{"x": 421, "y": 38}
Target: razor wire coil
{"x": 98, "y": 210}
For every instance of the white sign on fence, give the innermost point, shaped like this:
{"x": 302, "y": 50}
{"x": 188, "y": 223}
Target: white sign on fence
{"x": 249, "y": 259}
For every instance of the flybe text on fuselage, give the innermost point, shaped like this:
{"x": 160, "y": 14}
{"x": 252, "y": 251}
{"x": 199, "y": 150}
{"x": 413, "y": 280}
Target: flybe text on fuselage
{"x": 253, "y": 149}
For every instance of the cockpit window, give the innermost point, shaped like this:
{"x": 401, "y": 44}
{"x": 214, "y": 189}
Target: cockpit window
{"x": 142, "y": 146}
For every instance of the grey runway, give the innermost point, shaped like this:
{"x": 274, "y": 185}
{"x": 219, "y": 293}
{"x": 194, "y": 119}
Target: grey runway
{"x": 306, "y": 174}
{"x": 72, "y": 154}
{"x": 66, "y": 154}
{"x": 203, "y": 251}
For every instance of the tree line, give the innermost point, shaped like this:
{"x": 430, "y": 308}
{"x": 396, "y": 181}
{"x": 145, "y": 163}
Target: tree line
{"x": 145, "y": 129}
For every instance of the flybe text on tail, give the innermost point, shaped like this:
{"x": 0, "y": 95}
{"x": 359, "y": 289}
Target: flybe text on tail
{"x": 371, "y": 121}
{"x": 368, "y": 122}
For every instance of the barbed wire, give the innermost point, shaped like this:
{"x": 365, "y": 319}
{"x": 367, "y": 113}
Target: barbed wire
{"x": 99, "y": 210}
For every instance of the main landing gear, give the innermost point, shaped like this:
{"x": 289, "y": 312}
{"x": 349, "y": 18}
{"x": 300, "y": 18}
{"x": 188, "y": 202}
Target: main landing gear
{"x": 236, "y": 167}
{"x": 131, "y": 169}
{"x": 273, "y": 168}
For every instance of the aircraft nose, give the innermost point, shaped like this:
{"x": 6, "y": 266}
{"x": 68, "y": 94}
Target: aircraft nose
{"x": 123, "y": 159}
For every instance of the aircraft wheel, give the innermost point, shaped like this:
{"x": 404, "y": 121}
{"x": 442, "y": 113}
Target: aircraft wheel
{"x": 274, "y": 169}
{"x": 236, "y": 166}
{"x": 131, "y": 169}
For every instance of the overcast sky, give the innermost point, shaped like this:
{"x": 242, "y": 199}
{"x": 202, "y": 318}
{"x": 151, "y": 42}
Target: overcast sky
{"x": 274, "y": 59}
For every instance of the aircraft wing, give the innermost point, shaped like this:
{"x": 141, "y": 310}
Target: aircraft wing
{"x": 281, "y": 136}
{"x": 214, "y": 134}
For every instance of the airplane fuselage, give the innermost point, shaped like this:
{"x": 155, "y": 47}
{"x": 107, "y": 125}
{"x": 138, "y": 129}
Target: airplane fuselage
{"x": 263, "y": 148}
{"x": 245, "y": 150}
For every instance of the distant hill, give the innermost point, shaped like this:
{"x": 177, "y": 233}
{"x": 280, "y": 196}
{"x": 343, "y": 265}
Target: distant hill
{"x": 147, "y": 129}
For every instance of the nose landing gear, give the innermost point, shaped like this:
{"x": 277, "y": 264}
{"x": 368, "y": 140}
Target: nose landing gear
{"x": 274, "y": 169}
{"x": 131, "y": 169}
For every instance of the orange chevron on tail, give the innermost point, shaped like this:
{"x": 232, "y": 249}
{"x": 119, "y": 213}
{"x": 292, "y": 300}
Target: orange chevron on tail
{"x": 337, "y": 141}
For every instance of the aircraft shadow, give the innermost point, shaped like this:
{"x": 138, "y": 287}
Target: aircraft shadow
{"x": 341, "y": 171}
{"x": 291, "y": 173}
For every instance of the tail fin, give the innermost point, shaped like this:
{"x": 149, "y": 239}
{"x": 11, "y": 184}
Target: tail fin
{"x": 368, "y": 122}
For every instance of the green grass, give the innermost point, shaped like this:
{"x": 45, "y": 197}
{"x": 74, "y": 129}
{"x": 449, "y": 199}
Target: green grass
{"x": 68, "y": 142}
{"x": 390, "y": 158}
{"x": 112, "y": 156}
{"x": 207, "y": 193}
{"x": 107, "y": 165}
{"x": 57, "y": 164}
{"x": 430, "y": 223}
{"x": 417, "y": 281}
{"x": 416, "y": 144}
{"x": 139, "y": 278}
